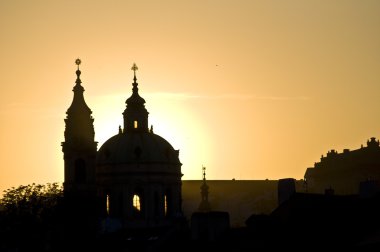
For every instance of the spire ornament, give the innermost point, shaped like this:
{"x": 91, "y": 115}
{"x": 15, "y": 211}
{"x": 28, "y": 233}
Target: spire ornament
{"x": 78, "y": 72}
{"x": 204, "y": 173}
{"x": 78, "y": 62}
{"x": 134, "y": 68}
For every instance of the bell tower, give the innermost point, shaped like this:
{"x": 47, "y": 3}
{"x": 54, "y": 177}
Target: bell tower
{"x": 79, "y": 147}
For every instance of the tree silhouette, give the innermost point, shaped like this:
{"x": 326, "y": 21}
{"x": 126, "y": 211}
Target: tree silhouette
{"x": 29, "y": 216}
{"x": 34, "y": 199}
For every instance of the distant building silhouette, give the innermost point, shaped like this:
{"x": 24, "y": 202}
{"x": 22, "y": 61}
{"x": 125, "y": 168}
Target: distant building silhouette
{"x": 344, "y": 171}
{"x": 136, "y": 174}
{"x": 240, "y": 198}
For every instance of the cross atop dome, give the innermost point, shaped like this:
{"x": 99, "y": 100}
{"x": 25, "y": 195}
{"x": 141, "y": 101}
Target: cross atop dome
{"x": 134, "y": 68}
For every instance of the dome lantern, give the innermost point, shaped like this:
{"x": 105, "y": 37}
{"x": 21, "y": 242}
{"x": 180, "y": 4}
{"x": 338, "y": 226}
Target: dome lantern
{"x": 135, "y": 114}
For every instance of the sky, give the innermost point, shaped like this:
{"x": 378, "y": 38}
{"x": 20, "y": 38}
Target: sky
{"x": 249, "y": 89}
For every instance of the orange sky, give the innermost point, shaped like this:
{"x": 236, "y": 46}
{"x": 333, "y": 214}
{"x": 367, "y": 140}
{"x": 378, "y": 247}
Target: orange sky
{"x": 250, "y": 89}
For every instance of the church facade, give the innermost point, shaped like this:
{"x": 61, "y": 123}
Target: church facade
{"x": 135, "y": 175}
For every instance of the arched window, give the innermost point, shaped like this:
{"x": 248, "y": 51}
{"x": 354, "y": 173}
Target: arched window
{"x": 135, "y": 124}
{"x": 166, "y": 205}
{"x": 108, "y": 204}
{"x": 136, "y": 203}
{"x": 167, "y": 202}
{"x": 80, "y": 171}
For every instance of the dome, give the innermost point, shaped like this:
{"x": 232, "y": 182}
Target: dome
{"x": 137, "y": 147}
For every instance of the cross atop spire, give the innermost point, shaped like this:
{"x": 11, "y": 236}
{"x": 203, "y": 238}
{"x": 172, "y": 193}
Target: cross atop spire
{"x": 204, "y": 172}
{"x": 134, "y": 69}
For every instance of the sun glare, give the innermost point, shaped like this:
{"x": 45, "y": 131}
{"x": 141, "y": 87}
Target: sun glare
{"x": 108, "y": 116}
{"x": 172, "y": 119}
{"x": 175, "y": 121}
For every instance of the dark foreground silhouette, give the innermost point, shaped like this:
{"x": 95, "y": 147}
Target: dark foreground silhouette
{"x": 35, "y": 219}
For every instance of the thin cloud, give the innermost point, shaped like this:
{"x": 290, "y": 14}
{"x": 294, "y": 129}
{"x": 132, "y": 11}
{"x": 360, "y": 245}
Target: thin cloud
{"x": 15, "y": 109}
{"x": 186, "y": 96}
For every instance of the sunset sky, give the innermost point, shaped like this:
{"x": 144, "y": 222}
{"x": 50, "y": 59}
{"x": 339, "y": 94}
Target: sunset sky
{"x": 249, "y": 89}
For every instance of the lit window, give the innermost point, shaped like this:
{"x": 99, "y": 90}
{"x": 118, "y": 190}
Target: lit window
{"x": 136, "y": 202}
{"x": 108, "y": 204}
{"x": 166, "y": 205}
{"x": 135, "y": 124}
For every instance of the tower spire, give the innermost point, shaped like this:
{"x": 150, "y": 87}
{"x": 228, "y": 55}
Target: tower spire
{"x": 204, "y": 206}
{"x": 79, "y": 147}
{"x": 79, "y": 121}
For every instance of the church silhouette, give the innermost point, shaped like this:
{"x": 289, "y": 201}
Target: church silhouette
{"x": 135, "y": 176}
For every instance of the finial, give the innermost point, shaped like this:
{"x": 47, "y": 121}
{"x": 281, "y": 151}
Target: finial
{"x": 120, "y": 130}
{"x": 204, "y": 206}
{"x": 77, "y": 62}
{"x": 151, "y": 128}
{"x": 134, "y": 68}
{"x": 204, "y": 172}
{"x": 78, "y": 72}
